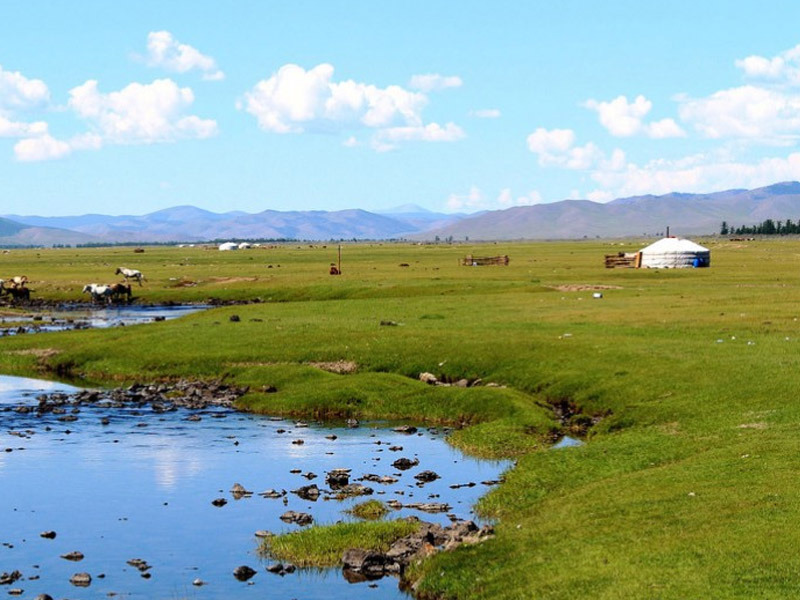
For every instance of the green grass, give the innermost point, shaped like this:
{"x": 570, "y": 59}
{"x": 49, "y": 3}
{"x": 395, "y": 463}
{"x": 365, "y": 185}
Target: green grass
{"x": 686, "y": 487}
{"x": 370, "y": 510}
{"x": 324, "y": 546}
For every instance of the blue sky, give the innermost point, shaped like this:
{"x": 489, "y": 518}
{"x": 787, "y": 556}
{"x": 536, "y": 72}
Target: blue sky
{"x": 130, "y": 107}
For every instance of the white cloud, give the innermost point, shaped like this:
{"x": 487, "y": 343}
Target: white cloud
{"x": 9, "y": 128}
{"x": 44, "y": 147}
{"x": 473, "y": 200}
{"x": 697, "y": 173}
{"x": 506, "y": 199}
{"x": 783, "y": 68}
{"x": 295, "y": 100}
{"x": 140, "y": 113}
{"x": 544, "y": 141}
{"x": 485, "y": 113}
{"x": 556, "y": 148}
{"x": 166, "y": 52}
{"x": 746, "y": 112}
{"x": 137, "y": 114}
{"x": 665, "y": 128}
{"x": 434, "y": 82}
{"x": 432, "y": 132}
{"x": 625, "y": 119}
{"x": 18, "y": 92}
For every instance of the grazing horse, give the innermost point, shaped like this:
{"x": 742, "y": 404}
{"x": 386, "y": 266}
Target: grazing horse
{"x": 18, "y": 281}
{"x": 99, "y": 292}
{"x": 130, "y": 274}
{"x": 16, "y": 293}
{"x": 118, "y": 290}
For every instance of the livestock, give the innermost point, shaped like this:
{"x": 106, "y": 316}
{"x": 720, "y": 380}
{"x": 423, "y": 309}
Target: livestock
{"x": 99, "y": 292}
{"x": 130, "y": 274}
{"x": 18, "y": 281}
{"x": 118, "y": 290}
{"x": 17, "y": 293}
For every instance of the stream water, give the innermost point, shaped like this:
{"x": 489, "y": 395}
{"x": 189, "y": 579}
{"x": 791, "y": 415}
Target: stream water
{"x": 83, "y": 317}
{"x": 123, "y": 483}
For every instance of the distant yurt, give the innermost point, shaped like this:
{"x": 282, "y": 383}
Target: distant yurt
{"x": 229, "y": 246}
{"x": 674, "y": 253}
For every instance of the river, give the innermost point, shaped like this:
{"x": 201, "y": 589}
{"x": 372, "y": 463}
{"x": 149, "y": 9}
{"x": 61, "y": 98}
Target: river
{"x": 124, "y": 483}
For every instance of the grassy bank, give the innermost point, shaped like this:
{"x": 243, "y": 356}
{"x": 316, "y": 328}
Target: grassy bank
{"x": 686, "y": 487}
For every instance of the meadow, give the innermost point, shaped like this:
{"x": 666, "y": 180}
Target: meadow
{"x": 686, "y": 485}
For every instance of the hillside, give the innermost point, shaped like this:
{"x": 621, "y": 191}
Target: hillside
{"x": 685, "y": 214}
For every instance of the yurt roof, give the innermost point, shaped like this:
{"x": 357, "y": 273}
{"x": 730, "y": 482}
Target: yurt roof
{"x": 671, "y": 244}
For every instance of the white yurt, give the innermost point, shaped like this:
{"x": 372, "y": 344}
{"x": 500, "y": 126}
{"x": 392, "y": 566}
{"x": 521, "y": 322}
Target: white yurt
{"x": 674, "y": 253}
{"x": 229, "y": 246}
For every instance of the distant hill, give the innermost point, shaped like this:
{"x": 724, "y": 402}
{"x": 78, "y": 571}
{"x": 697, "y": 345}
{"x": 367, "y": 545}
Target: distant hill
{"x": 685, "y": 214}
{"x": 191, "y": 224}
{"x": 13, "y": 233}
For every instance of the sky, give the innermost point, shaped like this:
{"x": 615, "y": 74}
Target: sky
{"x": 131, "y": 107}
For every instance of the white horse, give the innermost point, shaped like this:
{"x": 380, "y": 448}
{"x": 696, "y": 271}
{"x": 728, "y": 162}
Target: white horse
{"x": 130, "y": 274}
{"x": 99, "y": 292}
{"x": 18, "y": 281}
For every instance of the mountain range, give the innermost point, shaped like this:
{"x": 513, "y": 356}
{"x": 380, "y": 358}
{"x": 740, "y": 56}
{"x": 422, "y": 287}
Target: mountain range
{"x": 686, "y": 214}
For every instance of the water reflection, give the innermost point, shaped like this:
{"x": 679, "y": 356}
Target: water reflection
{"x": 80, "y": 317}
{"x": 142, "y": 486}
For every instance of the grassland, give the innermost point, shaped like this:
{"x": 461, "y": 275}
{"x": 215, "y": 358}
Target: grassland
{"x": 687, "y": 487}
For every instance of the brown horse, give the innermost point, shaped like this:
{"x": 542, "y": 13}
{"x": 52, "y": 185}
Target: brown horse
{"x": 17, "y": 293}
{"x": 118, "y": 290}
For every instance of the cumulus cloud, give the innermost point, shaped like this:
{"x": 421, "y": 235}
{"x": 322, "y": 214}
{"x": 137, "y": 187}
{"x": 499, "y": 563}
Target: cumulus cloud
{"x": 9, "y": 128}
{"x": 746, "y": 112}
{"x": 506, "y": 198}
{"x": 625, "y": 119}
{"x": 434, "y": 82}
{"x": 140, "y": 113}
{"x": 556, "y": 147}
{"x": 546, "y": 141}
{"x": 432, "y": 132}
{"x": 475, "y": 200}
{"x": 783, "y": 68}
{"x": 166, "y": 52}
{"x": 44, "y": 147}
{"x": 296, "y": 100}
{"x": 137, "y": 114}
{"x": 19, "y": 92}
{"x": 698, "y": 173}
{"x": 472, "y": 200}
{"x": 485, "y": 113}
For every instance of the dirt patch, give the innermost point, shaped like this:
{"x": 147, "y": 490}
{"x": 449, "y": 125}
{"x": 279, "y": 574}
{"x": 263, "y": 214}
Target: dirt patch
{"x": 342, "y": 367}
{"x": 37, "y": 352}
{"x": 231, "y": 279}
{"x": 584, "y": 287}
{"x": 753, "y": 426}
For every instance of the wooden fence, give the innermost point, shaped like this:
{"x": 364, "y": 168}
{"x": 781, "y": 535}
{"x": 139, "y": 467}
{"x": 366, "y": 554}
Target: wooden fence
{"x": 483, "y": 261}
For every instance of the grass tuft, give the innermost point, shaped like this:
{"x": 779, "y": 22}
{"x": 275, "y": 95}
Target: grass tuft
{"x": 323, "y": 546}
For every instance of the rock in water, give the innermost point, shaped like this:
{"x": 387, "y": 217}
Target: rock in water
{"x": 405, "y": 463}
{"x": 81, "y": 580}
{"x": 299, "y": 518}
{"x": 243, "y": 573}
{"x": 74, "y": 556}
{"x": 426, "y": 476}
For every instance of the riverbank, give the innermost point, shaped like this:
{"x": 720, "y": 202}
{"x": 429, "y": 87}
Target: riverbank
{"x": 686, "y": 484}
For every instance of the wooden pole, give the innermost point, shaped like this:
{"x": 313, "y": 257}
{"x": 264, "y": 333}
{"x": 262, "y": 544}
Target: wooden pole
{"x": 340, "y": 259}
